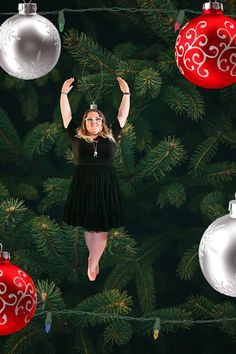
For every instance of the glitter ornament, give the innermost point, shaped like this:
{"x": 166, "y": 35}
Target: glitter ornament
{"x": 205, "y": 49}
{"x": 30, "y": 44}
{"x": 217, "y": 253}
{"x": 17, "y": 296}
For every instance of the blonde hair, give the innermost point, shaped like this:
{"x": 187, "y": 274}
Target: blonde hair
{"x": 83, "y": 133}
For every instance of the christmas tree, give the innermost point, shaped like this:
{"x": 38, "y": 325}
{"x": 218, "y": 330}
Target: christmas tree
{"x": 175, "y": 164}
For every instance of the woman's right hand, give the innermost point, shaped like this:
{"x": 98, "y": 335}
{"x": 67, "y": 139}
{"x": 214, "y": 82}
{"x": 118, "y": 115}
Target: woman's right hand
{"x": 67, "y": 86}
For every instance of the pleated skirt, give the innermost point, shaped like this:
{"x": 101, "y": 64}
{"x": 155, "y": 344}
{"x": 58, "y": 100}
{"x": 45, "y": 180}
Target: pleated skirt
{"x": 94, "y": 199}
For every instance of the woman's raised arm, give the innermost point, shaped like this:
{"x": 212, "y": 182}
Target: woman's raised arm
{"x": 123, "y": 111}
{"x": 64, "y": 102}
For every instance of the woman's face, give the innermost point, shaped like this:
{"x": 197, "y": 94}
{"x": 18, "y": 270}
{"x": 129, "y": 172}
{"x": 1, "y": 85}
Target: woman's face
{"x": 93, "y": 123}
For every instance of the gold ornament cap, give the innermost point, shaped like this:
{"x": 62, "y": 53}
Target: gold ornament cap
{"x": 213, "y": 5}
{"x": 4, "y": 254}
{"x": 27, "y": 8}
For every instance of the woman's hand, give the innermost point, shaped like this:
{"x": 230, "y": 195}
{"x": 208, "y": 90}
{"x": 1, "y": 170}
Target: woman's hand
{"x": 123, "y": 85}
{"x": 67, "y": 86}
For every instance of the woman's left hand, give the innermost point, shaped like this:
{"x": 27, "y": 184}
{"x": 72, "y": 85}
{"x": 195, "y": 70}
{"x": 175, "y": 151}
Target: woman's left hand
{"x": 123, "y": 85}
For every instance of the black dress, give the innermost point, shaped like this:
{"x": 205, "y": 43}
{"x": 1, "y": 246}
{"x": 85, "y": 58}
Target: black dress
{"x": 94, "y": 200}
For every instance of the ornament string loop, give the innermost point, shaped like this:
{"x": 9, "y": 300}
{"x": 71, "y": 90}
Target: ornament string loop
{"x": 27, "y": 2}
{"x": 86, "y": 86}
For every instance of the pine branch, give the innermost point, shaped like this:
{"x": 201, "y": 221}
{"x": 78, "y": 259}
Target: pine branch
{"x": 83, "y": 343}
{"x": 189, "y": 263}
{"x": 167, "y": 63}
{"x": 29, "y": 102}
{"x": 200, "y": 306}
{"x": 49, "y": 297}
{"x": 40, "y": 139}
{"x": 3, "y": 192}
{"x": 144, "y": 136}
{"x": 184, "y": 99}
{"x": 212, "y": 205}
{"x": 111, "y": 302}
{"x": 126, "y": 50}
{"x": 125, "y": 159}
{"x": 203, "y": 154}
{"x": 160, "y": 23}
{"x": 118, "y": 332}
{"x": 132, "y": 67}
{"x": 12, "y": 211}
{"x": 24, "y": 191}
{"x": 173, "y": 194}
{"x": 168, "y": 313}
{"x": 145, "y": 285}
{"x": 218, "y": 172}
{"x": 26, "y": 340}
{"x": 161, "y": 159}
{"x": 75, "y": 252}
{"x": 121, "y": 274}
{"x": 151, "y": 250}
{"x": 47, "y": 238}
{"x": 30, "y": 261}
{"x": 10, "y": 144}
{"x": 148, "y": 82}
{"x": 85, "y": 50}
{"x": 57, "y": 191}
{"x": 93, "y": 83}
{"x": 120, "y": 243}
{"x": 12, "y": 83}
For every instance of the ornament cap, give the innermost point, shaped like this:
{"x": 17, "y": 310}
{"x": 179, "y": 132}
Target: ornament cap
{"x": 93, "y": 106}
{"x": 213, "y": 5}
{"x": 27, "y": 8}
{"x": 232, "y": 208}
{"x": 3, "y": 254}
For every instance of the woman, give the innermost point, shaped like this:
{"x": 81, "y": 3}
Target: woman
{"x": 94, "y": 201}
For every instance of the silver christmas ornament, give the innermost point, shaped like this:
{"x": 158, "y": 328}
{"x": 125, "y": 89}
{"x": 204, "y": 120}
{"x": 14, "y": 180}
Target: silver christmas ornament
{"x": 30, "y": 44}
{"x": 217, "y": 253}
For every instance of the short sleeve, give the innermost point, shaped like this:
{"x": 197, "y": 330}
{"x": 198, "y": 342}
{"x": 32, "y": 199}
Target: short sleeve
{"x": 71, "y": 129}
{"x": 116, "y": 128}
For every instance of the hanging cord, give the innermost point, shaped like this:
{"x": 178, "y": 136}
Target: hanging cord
{"x": 86, "y": 86}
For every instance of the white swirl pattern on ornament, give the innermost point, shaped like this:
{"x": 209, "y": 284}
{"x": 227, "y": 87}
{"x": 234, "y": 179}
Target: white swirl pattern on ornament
{"x": 227, "y": 288}
{"x": 224, "y": 63}
{"x": 28, "y": 291}
{"x": 197, "y": 58}
{"x": 3, "y": 302}
{"x": 26, "y": 295}
{"x": 7, "y": 35}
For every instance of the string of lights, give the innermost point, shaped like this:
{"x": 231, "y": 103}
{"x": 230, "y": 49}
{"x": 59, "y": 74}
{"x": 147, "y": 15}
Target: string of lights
{"x": 115, "y": 10}
{"x": 157, "y": 320}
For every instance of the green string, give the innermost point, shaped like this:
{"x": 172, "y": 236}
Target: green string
{"x": 139, "y": 319}
{"x": 86, "y": 86}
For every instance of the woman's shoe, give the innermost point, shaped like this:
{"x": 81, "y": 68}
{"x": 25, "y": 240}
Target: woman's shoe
{"x": 91, "y": 275}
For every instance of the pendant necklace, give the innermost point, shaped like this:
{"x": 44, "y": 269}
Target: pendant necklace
{"x": 95, "y": 146}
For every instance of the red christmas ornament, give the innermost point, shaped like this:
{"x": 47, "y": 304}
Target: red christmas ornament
{"x": 17, "y": 296}
{"x": 205, "y": 49}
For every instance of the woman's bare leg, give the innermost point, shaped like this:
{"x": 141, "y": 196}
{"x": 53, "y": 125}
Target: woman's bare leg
{"x": 96, "y": 243}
